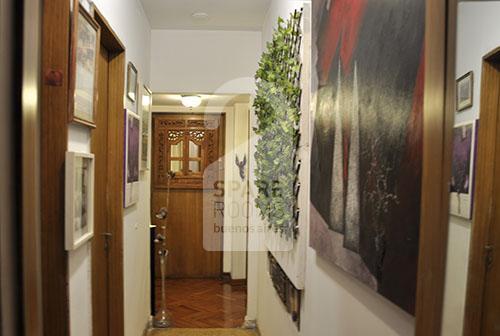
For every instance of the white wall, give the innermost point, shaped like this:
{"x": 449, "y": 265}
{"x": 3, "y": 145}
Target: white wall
{"x": 128, "y": 20}
{"x": 334, "y": 303}
{"x": 204, "y": 61}
{"x": 477, "y": 34}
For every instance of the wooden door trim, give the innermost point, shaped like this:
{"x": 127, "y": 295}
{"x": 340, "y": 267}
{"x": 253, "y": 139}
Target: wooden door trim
{"x": 483, "y": 191}
{"x": 116, "y": 129}
{"x": 54, "y": 141}
{"x": 439, "y": 108}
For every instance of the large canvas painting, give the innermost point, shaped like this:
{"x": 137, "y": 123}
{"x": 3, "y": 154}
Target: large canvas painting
{"x": 367, "y": 141}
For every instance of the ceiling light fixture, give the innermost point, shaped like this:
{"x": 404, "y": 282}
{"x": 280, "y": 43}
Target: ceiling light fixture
{"x": 191, "y": 101}
{"x": 200, "y": 16}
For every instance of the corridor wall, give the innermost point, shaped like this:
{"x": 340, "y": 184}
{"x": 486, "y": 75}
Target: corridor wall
{"x": 476, "y": 26}
{"x": 128, "y": 20}
{"x": 334, "y": 303}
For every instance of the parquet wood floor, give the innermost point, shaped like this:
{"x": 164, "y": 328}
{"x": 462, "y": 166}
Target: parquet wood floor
{"x": 204, "y": 303}
{"x": 203, "y": 332}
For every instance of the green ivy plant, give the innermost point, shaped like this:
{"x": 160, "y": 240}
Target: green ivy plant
{"x": 277, "y": 106}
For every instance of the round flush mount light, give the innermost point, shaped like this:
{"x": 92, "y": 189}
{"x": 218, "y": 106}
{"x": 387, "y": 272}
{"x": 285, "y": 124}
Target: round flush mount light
{"x": 191, "y": 101}
{"x": 200, "y": 16}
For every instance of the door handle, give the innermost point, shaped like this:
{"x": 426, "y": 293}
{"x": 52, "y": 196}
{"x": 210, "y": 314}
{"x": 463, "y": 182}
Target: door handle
{"x": 162, "y": 214}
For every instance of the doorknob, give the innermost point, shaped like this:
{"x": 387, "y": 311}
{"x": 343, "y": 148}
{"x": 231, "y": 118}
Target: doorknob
{"x": 161, "y": 214}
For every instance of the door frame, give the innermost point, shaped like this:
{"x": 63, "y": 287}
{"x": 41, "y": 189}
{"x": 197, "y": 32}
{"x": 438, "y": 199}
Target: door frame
{"x": 483, "y": 192}
{"x": 439, "y": 113}
{"x": 116, "y": 154}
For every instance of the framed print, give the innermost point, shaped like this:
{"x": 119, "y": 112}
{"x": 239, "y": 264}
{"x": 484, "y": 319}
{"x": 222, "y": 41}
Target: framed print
{"x": 147, "y": 100}
{"x": 462, "y": 171}
{"x": 465, "y": 90}
{"x": 79, "y": 207}
{"x": 131, "y": 82}
{"x": 132, "y": 145}
{"x": 85, "y": 42}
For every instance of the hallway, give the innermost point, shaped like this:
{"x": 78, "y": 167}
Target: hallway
{"x": 250, "y": 168}
{"x": 204, "y": 303}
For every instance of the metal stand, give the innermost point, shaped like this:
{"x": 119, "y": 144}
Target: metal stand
{"x": 163, "y": 318}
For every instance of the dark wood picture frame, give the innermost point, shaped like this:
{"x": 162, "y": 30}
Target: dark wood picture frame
{"x": 132, "y": 91}
{"x": 77, "y": 11}
{"x": 470, "y": 101}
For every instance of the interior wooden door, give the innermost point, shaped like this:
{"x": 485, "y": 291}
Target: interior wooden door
{"x": 482, "y": 309}
{"x": 107, "y": 146}
{"x": 100, "y": 256}
{"x": 491, "y": 92}
{"x": 192, "y": 146}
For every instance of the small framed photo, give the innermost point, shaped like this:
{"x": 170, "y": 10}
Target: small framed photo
{"x": 147, "y": 101}
{"x": 132, "y": 82}
{"x": 85, "y": 42}
{"x": 132, "y": 157}
{"x": 465, "y": 91}
{"x": 79, "y": 204}
{"x": 462, "y": 172}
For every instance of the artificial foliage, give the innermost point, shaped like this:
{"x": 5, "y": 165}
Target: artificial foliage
{"x": 277, "y": 106}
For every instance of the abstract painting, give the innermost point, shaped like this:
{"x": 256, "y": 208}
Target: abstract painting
{"x": 132, "y": 145}
{"x": 462, "y": 169}
{"x": 367, "y": 141}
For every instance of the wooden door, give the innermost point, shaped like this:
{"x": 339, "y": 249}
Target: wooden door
{"x": 483, "y": 297}
{"x": 100, "y": 257}
{"x": 107, "y": 146}
{"x": 192, "y": 146}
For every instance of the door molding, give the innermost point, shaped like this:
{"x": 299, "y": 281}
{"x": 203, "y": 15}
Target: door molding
{"x": 439, "y": 110}
{"x": 54, "y": 141}
{"x": 483, "y": 192}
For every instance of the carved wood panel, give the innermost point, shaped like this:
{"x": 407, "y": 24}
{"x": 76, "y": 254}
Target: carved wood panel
{"x": 188, "y": 145}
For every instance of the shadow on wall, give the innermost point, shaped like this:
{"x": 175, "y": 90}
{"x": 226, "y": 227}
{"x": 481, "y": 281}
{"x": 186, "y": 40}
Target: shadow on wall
{"x": 366, "y": 296}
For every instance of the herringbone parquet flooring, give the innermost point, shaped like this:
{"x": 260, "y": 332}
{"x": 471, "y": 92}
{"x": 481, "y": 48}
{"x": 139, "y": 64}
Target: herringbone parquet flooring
{"x": 204, "y": 303}
{"x": 203, "y": 332}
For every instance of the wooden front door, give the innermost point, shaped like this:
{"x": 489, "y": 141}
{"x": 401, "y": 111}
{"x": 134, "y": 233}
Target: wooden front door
{"x": 192, "y": 146}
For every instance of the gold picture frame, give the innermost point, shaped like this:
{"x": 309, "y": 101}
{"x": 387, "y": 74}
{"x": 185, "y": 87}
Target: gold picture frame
{"x": 85, "y": 43}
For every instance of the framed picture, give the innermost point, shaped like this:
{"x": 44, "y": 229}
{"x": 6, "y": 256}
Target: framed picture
{"x": 465, "y": 90}
{"x": 131, "y": 82}
{"x": 79, "y": 207}
{"x": 462, "y": 172}
{"x": 132, "y": 145}
{"x": 147, "y": 101}
{"x": 85, "y": 42}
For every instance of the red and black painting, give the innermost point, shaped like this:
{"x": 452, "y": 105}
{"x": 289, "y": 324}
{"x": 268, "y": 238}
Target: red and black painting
{"x": 367, "y": 141}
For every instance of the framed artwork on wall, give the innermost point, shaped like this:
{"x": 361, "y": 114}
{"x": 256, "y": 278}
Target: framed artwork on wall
{"x": 465, "y": 91}
{"x": 132, "y": 85}
{"x": 79, "y": 207}
{"x": 462, "y": 171}
{"x": 132, "y": 158}
{"x": 147, "y": 101}
{"x": 367, "y": 142}
{"x": 85, "y": 42}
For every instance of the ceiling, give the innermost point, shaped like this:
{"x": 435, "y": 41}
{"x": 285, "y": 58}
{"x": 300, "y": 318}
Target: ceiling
{"x": 222, "y": 14}
{"x": 215, "y": 100}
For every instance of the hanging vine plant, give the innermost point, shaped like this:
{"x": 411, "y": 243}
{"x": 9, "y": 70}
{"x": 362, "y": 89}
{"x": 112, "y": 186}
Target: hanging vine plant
{"x": 277, "y": 106}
